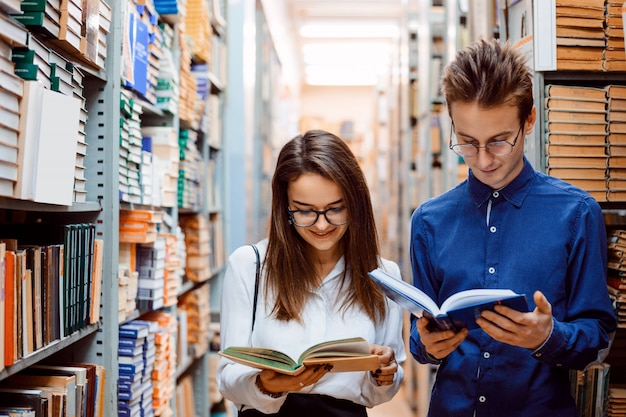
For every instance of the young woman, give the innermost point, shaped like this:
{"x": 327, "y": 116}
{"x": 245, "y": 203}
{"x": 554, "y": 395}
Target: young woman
{"x": 314, "y": 287}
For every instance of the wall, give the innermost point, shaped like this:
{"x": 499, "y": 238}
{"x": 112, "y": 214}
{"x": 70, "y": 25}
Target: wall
{"x": 332, "y": 105}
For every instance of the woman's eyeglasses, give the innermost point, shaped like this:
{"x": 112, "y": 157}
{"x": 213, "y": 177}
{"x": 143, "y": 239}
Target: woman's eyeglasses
{"x": 336, "y": 216}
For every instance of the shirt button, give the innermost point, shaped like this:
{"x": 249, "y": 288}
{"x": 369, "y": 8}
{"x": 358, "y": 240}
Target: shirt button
{"x": 492, "y": 270}
{"x": 492, "y": 229}
{"x": 482, "y": 398}
{"x": 486, "y": 355}
{"x": 496, "y": 194}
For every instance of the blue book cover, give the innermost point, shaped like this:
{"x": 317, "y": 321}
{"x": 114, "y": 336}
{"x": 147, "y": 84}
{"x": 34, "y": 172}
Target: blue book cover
{"x": 140, "y": 61}
{"x": 458, "y": 311}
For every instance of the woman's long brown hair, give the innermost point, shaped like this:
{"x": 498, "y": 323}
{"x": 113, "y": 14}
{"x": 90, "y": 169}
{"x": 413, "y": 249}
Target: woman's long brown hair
{"x": 288, "y": 266}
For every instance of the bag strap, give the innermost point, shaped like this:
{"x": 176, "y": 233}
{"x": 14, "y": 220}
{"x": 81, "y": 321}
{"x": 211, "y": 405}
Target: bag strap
{"x": 256, "y": 283}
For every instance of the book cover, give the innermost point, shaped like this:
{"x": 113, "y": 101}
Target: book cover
{"x": 10, "y": 309}
{"x": 458, "y": 311}
{"x": 3, "y": 278}
{"x": 345, "y": 355}
{"x": 34, "y": 398}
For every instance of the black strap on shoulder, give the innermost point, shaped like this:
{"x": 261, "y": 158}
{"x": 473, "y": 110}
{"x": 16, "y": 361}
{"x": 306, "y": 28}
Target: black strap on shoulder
{"x": 256, "y": 283}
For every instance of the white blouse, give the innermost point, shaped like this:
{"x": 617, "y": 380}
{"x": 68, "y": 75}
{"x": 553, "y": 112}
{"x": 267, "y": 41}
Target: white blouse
{"x": 322, "y": 320}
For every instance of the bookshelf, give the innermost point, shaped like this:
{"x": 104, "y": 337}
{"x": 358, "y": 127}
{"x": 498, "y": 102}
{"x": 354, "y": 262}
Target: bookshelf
{"x": 106, "y": 179}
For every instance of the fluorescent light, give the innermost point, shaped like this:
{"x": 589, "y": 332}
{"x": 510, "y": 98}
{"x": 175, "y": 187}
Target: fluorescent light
{"x": 375, "y": 53}
{"x": 344, "y": 77}
{"x": 321, "y": 30}
{"x": 346, "y": 63}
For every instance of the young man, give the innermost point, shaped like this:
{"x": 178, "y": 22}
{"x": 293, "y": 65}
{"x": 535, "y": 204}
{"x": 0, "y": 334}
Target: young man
{"x": 508, "y": 226}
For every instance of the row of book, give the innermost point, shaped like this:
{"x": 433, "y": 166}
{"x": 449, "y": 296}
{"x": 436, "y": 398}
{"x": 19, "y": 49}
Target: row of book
{"x": 616, "y": 274}
{"x": 76, "y": 27}
{"x": 590, "y": 35}
{"x": 585, "y": 130}
{"x": 147, "y": 365}
{"x": 42, "y": 121}
{"x": 54, "y": 390}
{"x": 51, "y": 289}
{"x": 590, "y": 388}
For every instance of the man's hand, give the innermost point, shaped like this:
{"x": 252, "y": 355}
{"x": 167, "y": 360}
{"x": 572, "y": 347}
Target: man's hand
{"x": 439, "y": 344}
{"x": 527, "y": 330}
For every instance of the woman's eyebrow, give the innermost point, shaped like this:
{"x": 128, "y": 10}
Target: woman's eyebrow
{"x": 302, "y": 203}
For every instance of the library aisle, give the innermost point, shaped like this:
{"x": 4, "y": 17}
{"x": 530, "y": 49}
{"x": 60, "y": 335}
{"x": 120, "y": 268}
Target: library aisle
{"x": 397, "y": 407}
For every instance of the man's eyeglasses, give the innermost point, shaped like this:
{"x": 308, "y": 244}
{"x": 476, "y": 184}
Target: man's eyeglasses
{"x": 496, "y": 147}
{"x": 337, "y": 216}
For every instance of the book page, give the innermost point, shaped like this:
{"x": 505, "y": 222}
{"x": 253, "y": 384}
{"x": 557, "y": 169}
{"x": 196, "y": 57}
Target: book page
{"x": 474, "y": 296}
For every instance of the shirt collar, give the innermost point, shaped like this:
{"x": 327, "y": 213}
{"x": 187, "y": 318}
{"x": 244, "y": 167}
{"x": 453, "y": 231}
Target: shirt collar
{"x": 515, "y": 192}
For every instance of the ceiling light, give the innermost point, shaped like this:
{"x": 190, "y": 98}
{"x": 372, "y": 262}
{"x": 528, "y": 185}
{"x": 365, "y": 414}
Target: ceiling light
{"x": 320, "y": 30}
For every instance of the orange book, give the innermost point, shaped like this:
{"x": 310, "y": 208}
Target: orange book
{"x": 10, "y": 310}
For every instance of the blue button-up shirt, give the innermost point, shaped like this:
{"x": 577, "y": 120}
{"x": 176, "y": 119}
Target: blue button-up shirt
{"x": 537, "y": 233}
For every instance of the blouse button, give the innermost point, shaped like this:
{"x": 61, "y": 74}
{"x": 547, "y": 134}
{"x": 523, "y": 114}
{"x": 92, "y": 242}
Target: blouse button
{"x": 492, "y": 270}
{"x": 492, "y": 229}
{"x": 496, "y": 194}
{"x": 482, "y": 398}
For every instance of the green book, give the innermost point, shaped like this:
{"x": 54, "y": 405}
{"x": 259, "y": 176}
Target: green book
{"x": 33, "y": 5}
{"x": 27, "y": 71}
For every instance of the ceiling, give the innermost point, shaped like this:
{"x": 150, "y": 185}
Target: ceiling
{"x": 345, "y": 42}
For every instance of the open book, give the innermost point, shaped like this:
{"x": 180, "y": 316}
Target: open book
{"x": 345, "y": 355}
{"x": 458, "y": 311}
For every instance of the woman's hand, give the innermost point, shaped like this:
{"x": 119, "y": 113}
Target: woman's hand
{"x": 388, "y": 365}
{"x": 271, "y": 382}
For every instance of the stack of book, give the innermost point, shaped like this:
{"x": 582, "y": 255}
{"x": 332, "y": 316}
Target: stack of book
{"x": 188, "y": 96}
{"x": 166, "y": 162}
{"x": 576, "y": 130}
{"x": 174, "y": 266}
{"x": 151, "y": 270}
{"x": 32, "y": 62}
{"x": 63, "y": 390}
{"x": 127, "y": 282}
{"x": 203, "y": 88}
{"x": 198, "y": 28}
{"x": 580, "y": 36}
{"x": 164, "y": 371}
{"x": 214, "y": 117}
{"x": 139, "y": 226}
{"x": 196, "y": 304}
{"x": 132, "y": 342}
{"x": 617, "y": 401}
{"x": 40, "y": 15}
{"x": 616, "y": 274}
{"x": 197, "y": 240}
{"x": 614, "y": 55}
{"x": 154, "y": 48}
{"x": 140, "y": 50}
{"x": 617, "y": 142}
{"x": 167, "y": 88}
{"x": 191, "y": 173}
{"x": 130, "y": 148}
{"x": 590, "y": 389}
{"x": 171, "y": 9}
{"x": 146, "y": 172}
{"x": 12, "y": 35}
